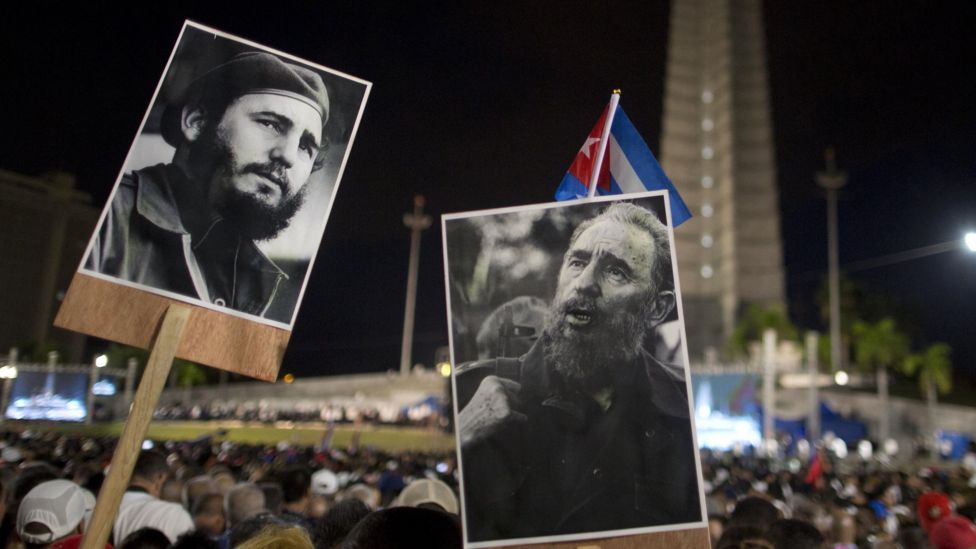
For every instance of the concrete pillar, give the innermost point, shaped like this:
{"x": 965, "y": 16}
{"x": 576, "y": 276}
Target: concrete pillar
{"x": 813, "y": 371}
{"x": 769, "y": 384}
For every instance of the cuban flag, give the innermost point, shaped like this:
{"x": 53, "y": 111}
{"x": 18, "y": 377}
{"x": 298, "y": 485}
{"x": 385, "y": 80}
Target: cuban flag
{"x": 628, "y": 166}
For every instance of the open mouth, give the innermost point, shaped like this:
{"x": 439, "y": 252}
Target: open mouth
{"x": 579, "y": 317}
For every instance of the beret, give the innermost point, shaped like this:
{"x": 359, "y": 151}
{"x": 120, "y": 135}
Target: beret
{"x": 246, "y": 73}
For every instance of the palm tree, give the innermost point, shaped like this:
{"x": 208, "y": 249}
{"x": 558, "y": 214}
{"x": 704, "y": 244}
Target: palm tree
{"x": 754, "y": 321}
{"x": 878, "y": 346}
{"x": 934, "y": 368}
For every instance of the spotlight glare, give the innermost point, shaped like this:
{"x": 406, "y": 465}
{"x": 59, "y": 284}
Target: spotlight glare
{"x": 970, "y": 240}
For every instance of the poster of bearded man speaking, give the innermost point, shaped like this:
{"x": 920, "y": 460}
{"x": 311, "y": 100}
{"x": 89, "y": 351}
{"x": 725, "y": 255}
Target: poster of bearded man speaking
{"x": 571, "y": 392}
{"x": 224, "y": 196}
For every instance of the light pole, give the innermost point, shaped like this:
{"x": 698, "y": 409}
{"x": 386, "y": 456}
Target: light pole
{"x": 832, "y": 180}
{"x": 769, "y": 388}
{"x": 813, "y": 425}
{"x": 8, "y": 373}
{"x": 100, "y": 361}
{"x": 416, "y": 222}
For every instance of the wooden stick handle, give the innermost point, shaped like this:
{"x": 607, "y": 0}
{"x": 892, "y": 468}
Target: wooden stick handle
{"x": 130, "y": 443}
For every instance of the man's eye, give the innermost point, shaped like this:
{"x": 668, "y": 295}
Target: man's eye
{"x": 576, "y": 263}
{"x": 270, "y": 124}
{"x": 617, "y": 274}
{"x": 308, "y": 148}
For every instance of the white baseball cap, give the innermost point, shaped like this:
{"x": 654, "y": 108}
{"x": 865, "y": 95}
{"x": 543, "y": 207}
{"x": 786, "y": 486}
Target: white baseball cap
{"x": 428, "y": 490}
{"x": 324, "y": 483}
{"x": 50, "y": 511}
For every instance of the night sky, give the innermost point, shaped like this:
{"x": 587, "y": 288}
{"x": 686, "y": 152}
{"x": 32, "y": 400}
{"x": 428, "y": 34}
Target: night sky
{"x": 482, "y": 105}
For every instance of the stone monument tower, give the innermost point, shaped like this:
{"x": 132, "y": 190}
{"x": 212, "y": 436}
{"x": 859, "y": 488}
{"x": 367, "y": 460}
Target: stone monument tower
{"x": 717, "y": 147}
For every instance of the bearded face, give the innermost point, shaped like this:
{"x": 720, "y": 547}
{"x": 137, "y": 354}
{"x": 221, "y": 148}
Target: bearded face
{"x": 583, "y": 357}
{"x": 604, "y": 305}
{"x": 257, "y": 160}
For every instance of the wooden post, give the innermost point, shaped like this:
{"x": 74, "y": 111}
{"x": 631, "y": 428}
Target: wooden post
{"x": 161, "y": 357}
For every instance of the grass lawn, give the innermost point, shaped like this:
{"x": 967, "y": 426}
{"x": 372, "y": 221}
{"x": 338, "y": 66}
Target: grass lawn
{"x": 304, "y": 434}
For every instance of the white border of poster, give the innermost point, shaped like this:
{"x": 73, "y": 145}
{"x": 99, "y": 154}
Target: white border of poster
{"x": 658, "y": 200}
{"x": 296, "y": 245}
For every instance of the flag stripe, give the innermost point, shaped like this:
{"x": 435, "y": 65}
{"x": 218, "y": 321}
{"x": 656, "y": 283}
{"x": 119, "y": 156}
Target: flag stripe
{"x": 621, "y": 171}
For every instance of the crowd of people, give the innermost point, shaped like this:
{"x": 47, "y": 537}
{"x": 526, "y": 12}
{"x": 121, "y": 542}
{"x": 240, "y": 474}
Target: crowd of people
{"x": 423, "y": 414}
{"x": 216, "y": 494}
{"x": 211, "y": 494}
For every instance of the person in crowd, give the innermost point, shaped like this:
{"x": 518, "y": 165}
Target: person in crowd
{"x": 753, "y": 511}
{"x": 29, "y": 476}
{"x": 278, "y": 536}
{"x": 51, "y": 511}
{"x": 208, "y": 514}
{"x": 250, "y": 527}
{"x": 196, "y": 487}
{"x": 243, "y": 501}
{"x": 195, "y": 540}
{"x": 338, "y": 522}
{"x": 794, "y": 534}
{"x": 274, "y": 497}
{"x": 145, "y": 538}
{"x": 953, "y": 532}
{"x": 141, "y": 507}
{"x": 743, "y": 537}
{"x": 429, "y": 494}
{"x": 405, "y": 528}
{"x": 296, "y": 483}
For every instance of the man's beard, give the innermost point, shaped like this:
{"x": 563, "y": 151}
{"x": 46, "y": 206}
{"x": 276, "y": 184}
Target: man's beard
{"x": 255, "y": 219}
{"x": 215, "y": 163}
{"x": 584, "y": 358}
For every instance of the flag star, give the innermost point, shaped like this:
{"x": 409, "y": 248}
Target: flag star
{"x": 588, "y": 145}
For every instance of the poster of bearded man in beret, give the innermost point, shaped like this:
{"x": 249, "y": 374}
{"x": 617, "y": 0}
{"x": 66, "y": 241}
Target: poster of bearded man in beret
{"x": 223, "y": 199}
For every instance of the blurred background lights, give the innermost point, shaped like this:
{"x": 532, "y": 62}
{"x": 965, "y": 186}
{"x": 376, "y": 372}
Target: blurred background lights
{"x": 841, "y": 378}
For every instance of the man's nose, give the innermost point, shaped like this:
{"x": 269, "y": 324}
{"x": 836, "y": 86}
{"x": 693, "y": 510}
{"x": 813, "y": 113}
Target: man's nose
{"x": 586, "y": 282}
{"x": 285, "y": 150}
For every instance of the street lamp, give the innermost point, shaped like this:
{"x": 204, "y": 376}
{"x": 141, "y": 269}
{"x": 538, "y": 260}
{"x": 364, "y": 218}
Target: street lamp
{"x": 833, "y": 180}
{"x": 970, "y": 240}
{"x": 101, "y": 361}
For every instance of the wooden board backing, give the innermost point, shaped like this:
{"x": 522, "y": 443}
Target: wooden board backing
{"x": 119, "y": 313}
{"x": 693, "y": 538}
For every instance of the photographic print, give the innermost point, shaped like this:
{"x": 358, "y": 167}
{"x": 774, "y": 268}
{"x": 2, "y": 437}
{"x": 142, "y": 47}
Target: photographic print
{"x": 571, "y": 389}
{"x": 226, "y": 190}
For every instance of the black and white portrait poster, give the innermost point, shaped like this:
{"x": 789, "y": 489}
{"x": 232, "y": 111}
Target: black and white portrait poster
{"x": 571, "y": 386}
{"x": 225, "y": 193}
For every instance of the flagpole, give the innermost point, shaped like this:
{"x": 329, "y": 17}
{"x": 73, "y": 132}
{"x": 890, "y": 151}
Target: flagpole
{"x": 604, "y": 140}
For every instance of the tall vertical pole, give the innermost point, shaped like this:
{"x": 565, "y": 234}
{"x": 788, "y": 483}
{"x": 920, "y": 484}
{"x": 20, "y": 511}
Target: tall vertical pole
{"x": 416, "y": 222}
{"x": 769, "y": 386}
{"x": 8, "y": 381}
{"x": 813, "y": 421}
{"x": 832, "y": 180}
{"x": 92, "y": 379}
{"x": 52, "y": 362}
